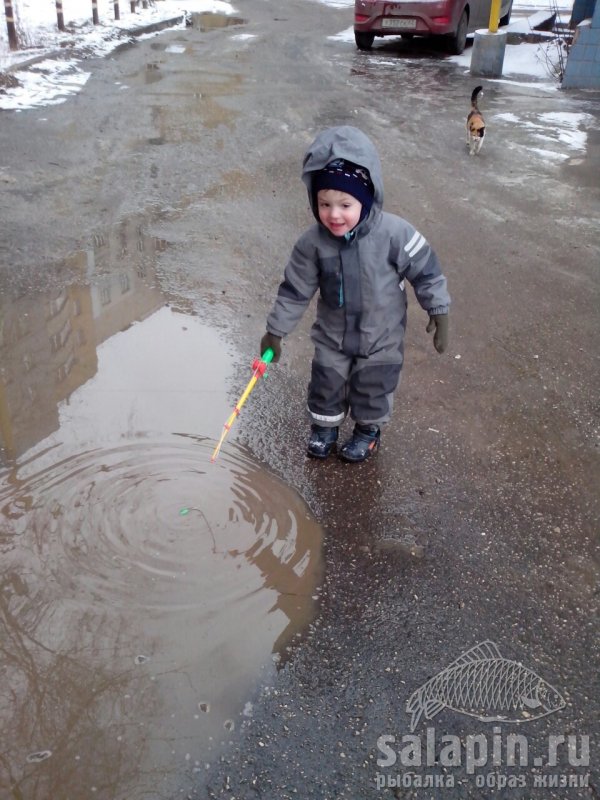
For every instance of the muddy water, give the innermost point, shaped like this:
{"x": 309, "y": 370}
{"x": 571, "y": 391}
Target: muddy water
{"x": 143, "y": 590}
{"x": 209, "y": 21}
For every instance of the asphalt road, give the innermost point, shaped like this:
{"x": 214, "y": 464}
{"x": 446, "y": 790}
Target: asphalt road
{"x": 477, "y": 520}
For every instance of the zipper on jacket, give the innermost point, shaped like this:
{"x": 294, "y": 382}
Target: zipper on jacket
{"x": 349, "y": 237}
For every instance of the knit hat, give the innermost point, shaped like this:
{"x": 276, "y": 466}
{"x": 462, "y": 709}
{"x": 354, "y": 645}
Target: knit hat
{"x": 344, "y": 176}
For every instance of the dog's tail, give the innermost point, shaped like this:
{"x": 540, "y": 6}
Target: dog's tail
{"x": 474, "y": 95}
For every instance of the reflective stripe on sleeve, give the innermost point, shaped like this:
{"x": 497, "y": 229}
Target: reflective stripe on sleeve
{"x": 415, "y": 244}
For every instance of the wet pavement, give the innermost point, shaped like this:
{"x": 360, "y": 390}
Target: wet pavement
{"x": 251, "y": 628}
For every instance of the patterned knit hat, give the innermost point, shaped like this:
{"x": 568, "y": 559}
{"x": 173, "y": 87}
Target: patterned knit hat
{"x": 344, "y": 176}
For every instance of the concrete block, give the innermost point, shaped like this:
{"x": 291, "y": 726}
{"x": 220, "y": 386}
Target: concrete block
{"x": 487, "y": 57}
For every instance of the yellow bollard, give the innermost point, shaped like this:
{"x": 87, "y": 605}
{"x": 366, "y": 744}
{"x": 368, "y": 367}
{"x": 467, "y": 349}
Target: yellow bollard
{"x": 494, "y": 16}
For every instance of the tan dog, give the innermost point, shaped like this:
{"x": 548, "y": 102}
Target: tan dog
{"x": 475, "y": 124}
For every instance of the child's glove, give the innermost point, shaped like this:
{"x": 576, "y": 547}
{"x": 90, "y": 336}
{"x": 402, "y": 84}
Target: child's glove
{"x": 272, "y": 341}
{"x": 440, "y": 337}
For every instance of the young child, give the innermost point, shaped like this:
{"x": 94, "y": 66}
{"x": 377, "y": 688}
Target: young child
{"x": 358, "y": 257}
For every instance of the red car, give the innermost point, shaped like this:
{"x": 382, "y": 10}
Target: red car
{"x": 452, "y": 19}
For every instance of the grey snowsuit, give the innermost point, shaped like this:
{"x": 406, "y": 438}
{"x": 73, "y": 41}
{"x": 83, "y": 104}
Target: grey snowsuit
{"x": 361, "y": 312}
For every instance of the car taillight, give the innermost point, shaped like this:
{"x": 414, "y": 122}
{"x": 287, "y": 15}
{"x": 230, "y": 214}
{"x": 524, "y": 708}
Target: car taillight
{"x": 360, "y": 18}
{"x": 441, "y": 20}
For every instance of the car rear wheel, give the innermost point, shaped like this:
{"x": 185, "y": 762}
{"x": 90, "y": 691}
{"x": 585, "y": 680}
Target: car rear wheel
{"x": 364, "y": 41}
{"x": 506, "y": 18}
{"x": 458, "y": 40}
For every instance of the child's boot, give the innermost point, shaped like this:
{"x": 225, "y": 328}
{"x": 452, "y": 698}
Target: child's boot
{"x": 364, "y": 441}
{"x": 321, "y": 441}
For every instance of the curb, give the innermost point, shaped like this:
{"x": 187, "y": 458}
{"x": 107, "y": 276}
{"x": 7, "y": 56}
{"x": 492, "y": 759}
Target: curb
{"x": 155, "y": 26}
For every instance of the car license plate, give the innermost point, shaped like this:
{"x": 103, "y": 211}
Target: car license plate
{"x": 401, "y": 23}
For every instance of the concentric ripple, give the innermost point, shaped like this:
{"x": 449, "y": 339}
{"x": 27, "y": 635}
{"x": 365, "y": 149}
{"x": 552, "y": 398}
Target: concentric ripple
{"x": 98, "y": 516}
{"x": 132, "y": 615}
{"x": 108, "y": 523}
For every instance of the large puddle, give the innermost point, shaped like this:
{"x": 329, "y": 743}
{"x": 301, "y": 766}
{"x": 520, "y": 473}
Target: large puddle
{"x": 143, "y": 590}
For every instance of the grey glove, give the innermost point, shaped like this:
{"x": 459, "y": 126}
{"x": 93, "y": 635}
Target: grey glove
{"x": 272, "y": 341}
{"x": 439, "y": 322}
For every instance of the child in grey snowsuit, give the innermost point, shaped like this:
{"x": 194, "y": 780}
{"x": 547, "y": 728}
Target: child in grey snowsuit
{"x": 359, "y": 258}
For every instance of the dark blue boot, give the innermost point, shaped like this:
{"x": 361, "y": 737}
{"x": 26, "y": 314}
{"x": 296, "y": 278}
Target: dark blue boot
{"x": 364, "y": 441}
{"x": 321, "y": 441}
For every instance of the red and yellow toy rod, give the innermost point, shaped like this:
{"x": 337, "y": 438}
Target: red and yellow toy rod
{"x": 259, "y": 365}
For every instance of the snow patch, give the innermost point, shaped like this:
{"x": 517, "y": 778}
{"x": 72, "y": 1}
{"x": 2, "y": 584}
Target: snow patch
{"x": 567, "y": 128}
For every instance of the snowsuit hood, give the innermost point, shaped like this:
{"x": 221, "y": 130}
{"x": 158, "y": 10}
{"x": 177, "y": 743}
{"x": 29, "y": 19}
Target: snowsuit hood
{"x": 353, "y": 145}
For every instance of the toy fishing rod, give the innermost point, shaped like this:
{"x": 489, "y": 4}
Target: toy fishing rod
{"x": 259, "y": 366}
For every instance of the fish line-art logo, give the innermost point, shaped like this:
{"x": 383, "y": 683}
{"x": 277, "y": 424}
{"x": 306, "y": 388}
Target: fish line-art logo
{"x": 483, "y": 684}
